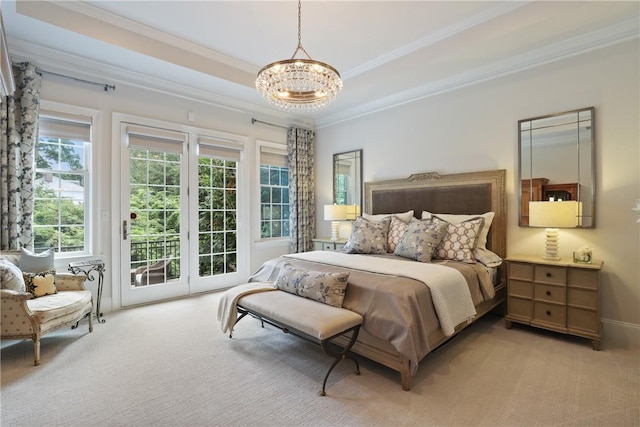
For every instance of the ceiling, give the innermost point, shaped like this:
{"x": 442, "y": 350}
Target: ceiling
{"x": 388, "y": 52}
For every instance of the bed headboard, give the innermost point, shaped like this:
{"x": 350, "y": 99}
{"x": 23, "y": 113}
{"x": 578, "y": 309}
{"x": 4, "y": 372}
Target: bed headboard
{"x": 461, "y": 193}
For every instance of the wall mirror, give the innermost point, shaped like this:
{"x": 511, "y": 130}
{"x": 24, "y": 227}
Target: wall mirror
{"x": 557, "y": 162}
{"x": 347, "y": 178}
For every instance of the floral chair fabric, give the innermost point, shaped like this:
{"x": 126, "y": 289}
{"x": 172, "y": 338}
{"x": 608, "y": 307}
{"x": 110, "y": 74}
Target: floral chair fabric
{"x": 24, "y": 317}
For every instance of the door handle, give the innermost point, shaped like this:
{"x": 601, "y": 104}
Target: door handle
{"x": 125, "y": 234}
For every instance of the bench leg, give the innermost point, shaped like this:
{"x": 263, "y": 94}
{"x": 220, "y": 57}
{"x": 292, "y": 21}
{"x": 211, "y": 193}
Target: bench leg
{"x": 344, "y": 354}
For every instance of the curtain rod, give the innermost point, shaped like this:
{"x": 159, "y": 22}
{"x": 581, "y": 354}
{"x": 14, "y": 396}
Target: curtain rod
{"x": 254, "y": 121}
{"x": 106, "y": 86}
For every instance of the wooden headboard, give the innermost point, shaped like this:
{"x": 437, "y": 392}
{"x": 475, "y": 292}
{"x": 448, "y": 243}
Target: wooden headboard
{"x": 461, "y": 193}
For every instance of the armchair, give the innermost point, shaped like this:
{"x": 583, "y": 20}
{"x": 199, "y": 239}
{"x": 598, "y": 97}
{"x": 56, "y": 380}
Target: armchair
{"x": 156, "y": 273}
{"x": 25, "y": 317}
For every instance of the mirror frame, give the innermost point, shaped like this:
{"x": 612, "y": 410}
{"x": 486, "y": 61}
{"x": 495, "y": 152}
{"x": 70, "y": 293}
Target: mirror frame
{"x": 357, "y": 155}
{"x": 592, "y": 167}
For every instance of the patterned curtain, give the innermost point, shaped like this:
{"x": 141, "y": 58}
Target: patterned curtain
{"x": 19, "y": 130}
{"x": 301, "y": 189}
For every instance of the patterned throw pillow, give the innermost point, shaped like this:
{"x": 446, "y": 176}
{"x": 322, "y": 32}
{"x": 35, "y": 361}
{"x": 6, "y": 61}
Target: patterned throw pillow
{"x": 41, "y": 284}
{"x": 397, "y": 227}
{"x": 328, "y": 288}
{"x": 368, "y": 237}
{"x": 459, "y": 240}
{"x": 11, "y": 276}
{"x": 420, "y": 240}
{"x": 31, "y": 262}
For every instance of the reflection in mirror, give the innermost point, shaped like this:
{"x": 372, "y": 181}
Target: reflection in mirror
{"x": 556, "y": 162}
{"x": 347, "y": 178}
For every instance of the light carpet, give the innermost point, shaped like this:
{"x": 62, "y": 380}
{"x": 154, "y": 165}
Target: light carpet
{"x": 169, "y": 364}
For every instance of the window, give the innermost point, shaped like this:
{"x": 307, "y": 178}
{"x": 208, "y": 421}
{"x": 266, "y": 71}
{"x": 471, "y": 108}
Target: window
{"x": 274, "y": 192}
{"x": 217, "y": 207}
{"x": 61, "y": 184}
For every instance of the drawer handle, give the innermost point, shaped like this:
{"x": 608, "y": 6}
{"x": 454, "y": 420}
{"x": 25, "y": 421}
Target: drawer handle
{"x": 548, "y": 293}
{"x": 548, "y": 313}
{"x": 548, "y": 274}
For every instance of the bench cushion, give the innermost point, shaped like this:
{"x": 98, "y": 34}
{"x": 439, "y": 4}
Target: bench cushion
{"x": 313, "y": 318}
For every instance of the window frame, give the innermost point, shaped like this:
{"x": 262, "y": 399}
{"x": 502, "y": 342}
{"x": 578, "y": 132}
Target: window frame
{"x": 63, "y": 112}
{"x": 273, "y": 148}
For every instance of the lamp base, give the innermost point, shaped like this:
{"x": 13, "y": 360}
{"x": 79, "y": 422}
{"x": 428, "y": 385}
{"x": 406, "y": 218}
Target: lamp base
{"x": 552, "y": 245}
{"x": 334, "y": 230}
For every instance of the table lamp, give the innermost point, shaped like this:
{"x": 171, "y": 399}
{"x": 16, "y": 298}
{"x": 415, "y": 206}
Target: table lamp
{"x": 353, "y": 212}
{"x": 335, "y": 213}
{"x": 553, "y": 215}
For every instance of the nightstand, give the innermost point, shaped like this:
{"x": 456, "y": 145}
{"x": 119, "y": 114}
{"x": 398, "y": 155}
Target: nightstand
{"x": 561, "y": 296}
{"x": 328, "y": 244}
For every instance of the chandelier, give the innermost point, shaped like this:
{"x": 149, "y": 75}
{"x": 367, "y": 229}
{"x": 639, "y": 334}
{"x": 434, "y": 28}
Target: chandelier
{"x": 299, "y": 84}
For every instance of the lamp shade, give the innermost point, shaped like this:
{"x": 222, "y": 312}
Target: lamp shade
{"x": 335, "y": 212}
{"x": 353, "y": 211}
{"x": 564, "y": 214}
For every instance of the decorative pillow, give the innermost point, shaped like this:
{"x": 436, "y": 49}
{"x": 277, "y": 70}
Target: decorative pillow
{"x": 404, "y": 216}
{"x": 397, "y": 227}
{"x": 41, "y": 284}
{"x": 458, "y": 242}
{"x": 328, "y": 288}
{"x": 368, "y": 237}
{"x": 481, "y": 240}
{"x": 35, "y": 263}
{"x": 420, "y": 240}
{"x": 11, "y": 276}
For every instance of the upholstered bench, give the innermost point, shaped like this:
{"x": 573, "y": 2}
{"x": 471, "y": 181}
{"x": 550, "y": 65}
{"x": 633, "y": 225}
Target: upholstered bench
{"x": 306, "y": 318}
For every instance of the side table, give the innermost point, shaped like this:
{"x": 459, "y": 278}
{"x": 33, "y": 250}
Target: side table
{"x": 88, "y": 267}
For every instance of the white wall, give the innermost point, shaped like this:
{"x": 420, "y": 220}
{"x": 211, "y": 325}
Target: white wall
{"x": 148, "y": 104}
{"x": 475, "y": 128}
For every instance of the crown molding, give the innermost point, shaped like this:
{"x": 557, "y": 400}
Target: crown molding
{"x": 91, "y": 11}
{"x": 437, "y": 36}
{"x": 607, "y": 36}
{"x": 75, "y": 66}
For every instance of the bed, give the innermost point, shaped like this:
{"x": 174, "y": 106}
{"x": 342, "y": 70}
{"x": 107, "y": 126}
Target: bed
{"x": 403, "y": 319}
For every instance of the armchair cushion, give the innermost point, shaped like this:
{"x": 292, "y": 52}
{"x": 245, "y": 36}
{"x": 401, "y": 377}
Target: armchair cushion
{"x": 11, "y": 276}
{"x": 58, "y": 305}
{"x": 41, "y": 284}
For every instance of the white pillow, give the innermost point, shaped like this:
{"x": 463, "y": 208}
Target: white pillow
{"x": 11, "y": 276}
{"x": 481, "y": 239}
{"x": 406, "y": 217}
{"x": 31, "y": 262}
{"x": 486, "y": 257}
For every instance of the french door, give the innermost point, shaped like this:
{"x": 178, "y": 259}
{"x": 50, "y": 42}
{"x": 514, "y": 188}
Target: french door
{"x": 154, "y": 225}
{"x": 180, "y": 210}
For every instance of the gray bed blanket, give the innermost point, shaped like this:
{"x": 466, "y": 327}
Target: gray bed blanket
{"x": 396, "y": 309}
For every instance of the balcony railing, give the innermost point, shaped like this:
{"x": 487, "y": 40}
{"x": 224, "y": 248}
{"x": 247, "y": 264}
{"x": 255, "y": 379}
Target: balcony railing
{"x": 149, "y": 252}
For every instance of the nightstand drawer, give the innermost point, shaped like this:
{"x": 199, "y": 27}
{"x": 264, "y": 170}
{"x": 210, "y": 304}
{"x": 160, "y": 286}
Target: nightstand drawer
{"x": 550, "y": 293}
{"x": 520, "y": 307}
{"x": 583, "y": 278}
{"x": 550, "y": 313}
{"x": 584, "y": 320}
{"x": 550, "y": 274}
{"x": 520, "y": 271}
{"x": 520, "y": 288}
{"x": 582, "y": 297}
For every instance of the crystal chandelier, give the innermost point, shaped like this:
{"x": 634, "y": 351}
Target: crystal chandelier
{"x": 299, "y": 84}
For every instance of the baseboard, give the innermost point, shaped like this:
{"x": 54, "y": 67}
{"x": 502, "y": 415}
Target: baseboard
{"x": 620, "y": 334}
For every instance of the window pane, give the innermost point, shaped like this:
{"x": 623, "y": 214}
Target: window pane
{"x": 60, "y": 194}
{"x": 274, "y": 199}
{"x": 217, "y": 186}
